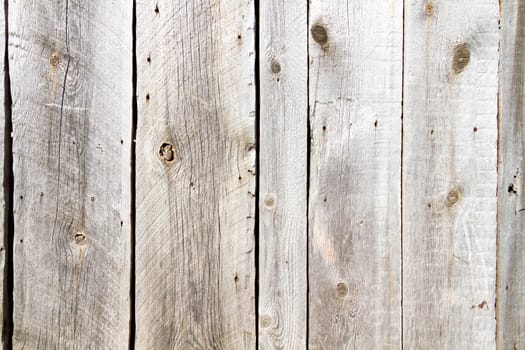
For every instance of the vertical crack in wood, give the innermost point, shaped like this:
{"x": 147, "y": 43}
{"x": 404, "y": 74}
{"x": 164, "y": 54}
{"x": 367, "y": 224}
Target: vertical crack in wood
{"x": 257, "y": 167}
{"x": 308, "y": 156}
{"x": 7, "y": 329}
{"x": 401, "y": 170}
{"x": 134, "y": 117}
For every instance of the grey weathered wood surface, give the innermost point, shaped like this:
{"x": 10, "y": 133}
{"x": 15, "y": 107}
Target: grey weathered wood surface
{"x": 355, "y": 174}
{"x": 450, "y": 174}
{"x": 4, "y": 306}
{"x": 195, "y": 247}
{"x": 283, "y": 170}
{"x": 511, "y": 203}
{"x": 71, "y": 67}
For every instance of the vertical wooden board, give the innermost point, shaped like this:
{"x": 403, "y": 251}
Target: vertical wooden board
{"x": 71, "y": 78}
{"x": 449, "y": 174}
{"x": 283, "y": 146}
{"x": 195, "y": 262}
{"x": 355, "y": 174}
{"x": 511, "y": 201}
{"x": 4, "y": 180}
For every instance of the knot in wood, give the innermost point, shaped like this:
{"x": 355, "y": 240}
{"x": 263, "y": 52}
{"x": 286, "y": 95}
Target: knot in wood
{"x": 461, "y": 58}
{"x": 166, "y": 152}
{"x": 429, "y": 9}
{"x": 54, "y": 59}
{"x": 276, "y": 67}
{"x": 319, "y": 34}
{"x": 80, "y": 238}
{"x": 269, "y": 201}
{"x": 453, "y": 197}
{"x": 341, "y": 290}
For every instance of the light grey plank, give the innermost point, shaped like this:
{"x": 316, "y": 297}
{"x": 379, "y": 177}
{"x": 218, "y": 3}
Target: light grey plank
{"x": 71, "y": 65}
{"x": 450, "y": 174}
{"x": 283, "y": 174}
{"x": 195, "y": 181}
{"x": 511, "y": 202}
{"x": 355, "y": 174}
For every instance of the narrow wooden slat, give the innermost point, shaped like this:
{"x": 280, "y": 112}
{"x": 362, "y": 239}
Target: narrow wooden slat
{"x": 4, "y": 306}
{"x": 450, "y": 174}
{"x": 283, "y": 174}
{"x": 511, "y": 201}
{"x": 71, "y": 65}
{"x": 195, "y": 181}
{"x": 355, "y": 176}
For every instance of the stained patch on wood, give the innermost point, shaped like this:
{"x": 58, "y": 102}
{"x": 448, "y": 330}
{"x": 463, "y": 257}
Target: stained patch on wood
{"x": 461, "y": 58}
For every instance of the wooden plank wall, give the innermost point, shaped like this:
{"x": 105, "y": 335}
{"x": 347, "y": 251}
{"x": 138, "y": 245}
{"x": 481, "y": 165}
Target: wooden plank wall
{"x": 250, "y": 174}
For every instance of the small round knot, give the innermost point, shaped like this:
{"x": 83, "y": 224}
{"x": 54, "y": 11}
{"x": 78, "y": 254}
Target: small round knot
{"x": 319, "y": 34}
{"x": 453, "y": 197}
{"x": 276, "y": 67}
{"x": 80, "y": 238}
{"x": 166, "y": 152}
{"x": 269, "y": 201}
{"x": 429, "y": 9}
{"x": 266, "y": 320}
{"x": 54, "y": 59}
{"x": 341, "y": 290}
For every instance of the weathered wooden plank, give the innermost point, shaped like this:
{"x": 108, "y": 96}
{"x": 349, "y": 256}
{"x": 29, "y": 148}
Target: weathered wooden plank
{"x": 511, "y": 201}
{"x": 71, "y": 67}
{"x": 355, "y": 174}
{"x": 4, "y": 180}
{"x": 195, "y": 181}
{"x": 283, "y": 170}
{"x": 449, "y": 174}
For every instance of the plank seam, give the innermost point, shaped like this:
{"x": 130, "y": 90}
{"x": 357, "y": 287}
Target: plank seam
{"x": 257, "y": 163}
{"x": 308, "y": 156}
{"x": 401, "y": 171}
{"x": 134, "y": 117}
{"x": 7, "y": 329}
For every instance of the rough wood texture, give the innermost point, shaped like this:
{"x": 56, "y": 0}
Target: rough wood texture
{"x": 195, "y": 182}
{"x": 283, "y": 175}
{"x": 4, "y": 306}
{"x": 71, "y": 65}
{"x": 450, "y": 174}
{"x": 355, "y": 176}
{"x": 511, "y": 205}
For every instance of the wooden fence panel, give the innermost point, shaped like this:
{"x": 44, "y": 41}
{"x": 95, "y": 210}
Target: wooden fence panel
{"x": 283, "y": 175}
{"x": 450, "y": 174}
{"x": 355, "y": 174}
{"x": 195, "y": 183}
{"x": 71, "y": 67}
{"x": 511, "y": 201}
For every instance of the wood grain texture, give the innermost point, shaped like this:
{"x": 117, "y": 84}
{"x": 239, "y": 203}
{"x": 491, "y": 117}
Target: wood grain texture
{"x": 511, "y": 201}
{"x": 71, "y": 65}
{"x": 450, "y": 174}
{"x": 283, "y": 174}
{"x": 4, "y": 180}
{"x": 195, "y": 253}
{"x": 355, "y": 176}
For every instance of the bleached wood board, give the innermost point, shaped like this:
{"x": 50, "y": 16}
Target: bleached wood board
{"x": 71, "y": 66}
{"x": 195, "y": 252}
{"x": 283, "y": 174}
{"x": 511, "y": 202}
{"x": 355, "y": 174}
{"x": 450, "y": 174}
{"x": 4, "y": 180}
